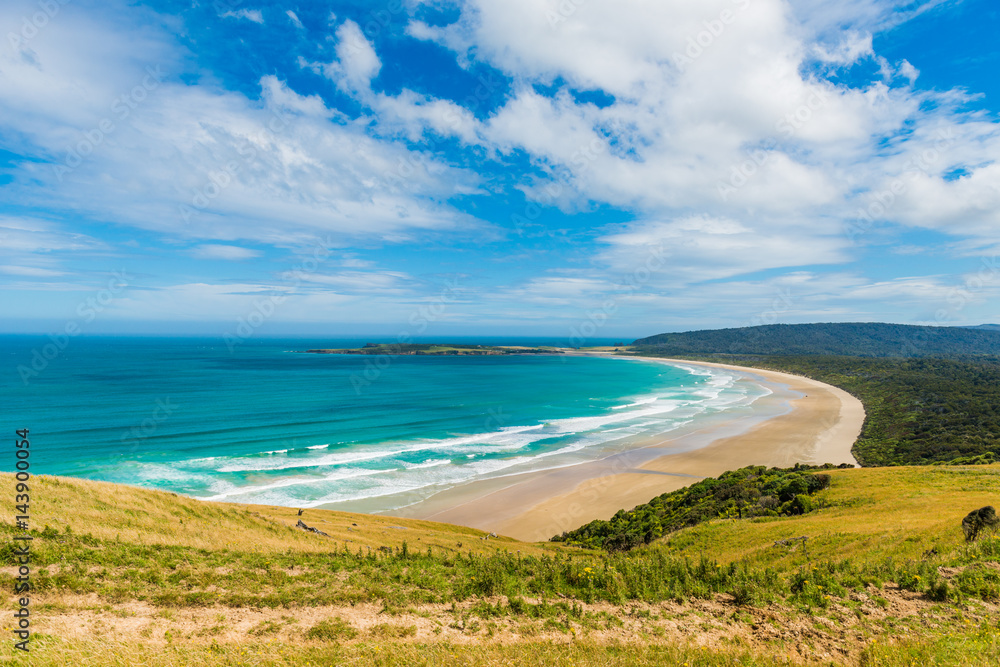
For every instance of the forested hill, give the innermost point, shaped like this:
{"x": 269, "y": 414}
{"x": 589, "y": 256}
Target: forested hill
{"x": 860, "y": 339}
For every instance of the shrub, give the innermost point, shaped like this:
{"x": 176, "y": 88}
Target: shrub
{"x": 331, "y": 629}
{"x": 744, "y": 493}
{"x": 939, "y": 591}
{"x": 390, "y": 631}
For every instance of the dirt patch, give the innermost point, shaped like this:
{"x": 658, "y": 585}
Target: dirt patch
{"x": 950, "y": 572}
{"x": 837, "y": 633}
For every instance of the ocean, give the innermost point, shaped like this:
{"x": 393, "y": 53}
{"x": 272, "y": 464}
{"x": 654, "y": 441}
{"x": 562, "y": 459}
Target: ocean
{"x": 259, "y": 422}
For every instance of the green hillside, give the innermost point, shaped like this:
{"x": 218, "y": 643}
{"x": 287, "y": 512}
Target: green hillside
{"x": 124, "y": 576}
{"x": 860, "y": 339}
{"x": 931, "y": 394}
{"x": 754, "y": 491}
{"x": 917, "y": 410}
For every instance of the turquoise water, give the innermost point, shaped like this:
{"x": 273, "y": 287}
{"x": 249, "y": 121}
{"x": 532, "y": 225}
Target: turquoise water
{"x": 264, "y": 424}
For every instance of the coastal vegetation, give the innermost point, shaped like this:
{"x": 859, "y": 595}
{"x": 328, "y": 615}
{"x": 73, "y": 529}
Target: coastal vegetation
{"x": 870, "y": 566}
{"x": 754, "y": 491}
{"x": 917, "y": 411}
{"x": 166, "y": 580}
{"x": 931, "y": 394}
{"x": 856, "y": 339}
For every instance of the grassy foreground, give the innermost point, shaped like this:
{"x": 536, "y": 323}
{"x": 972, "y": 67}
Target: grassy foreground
{"x": 125, "y": 576}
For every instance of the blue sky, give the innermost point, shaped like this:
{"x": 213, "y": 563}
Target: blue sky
{"x": 533, "y": 167}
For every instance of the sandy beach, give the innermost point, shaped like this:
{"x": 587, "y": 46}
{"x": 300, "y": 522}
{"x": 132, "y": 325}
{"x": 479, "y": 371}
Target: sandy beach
{"x": 821, "y": 426}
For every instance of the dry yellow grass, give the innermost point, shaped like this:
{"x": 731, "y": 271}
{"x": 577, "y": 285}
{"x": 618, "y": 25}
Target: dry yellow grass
{"x": 149, "y": 517}
{"x": 869, "y": 514}
{"x": 893, "y": 511}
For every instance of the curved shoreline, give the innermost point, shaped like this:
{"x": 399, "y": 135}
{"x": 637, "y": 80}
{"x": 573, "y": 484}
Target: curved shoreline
{"x": 821, "y": 427}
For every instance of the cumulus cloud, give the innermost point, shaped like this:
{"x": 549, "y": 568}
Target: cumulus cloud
{"x": 720, "y": 130}
{"x": 113, "y": 133}
{"x": 356, "y": 64}
{"x": 704, "y": 248}
{"x": 853, "y": 47}
{"x": 714, "y": 107}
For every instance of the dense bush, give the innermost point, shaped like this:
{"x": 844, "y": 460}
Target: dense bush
{"x": 743, "y": 493}
{"x": 863, "y": 339}
{"x": 982, "y": 460}
{"x": 918, "y": 411}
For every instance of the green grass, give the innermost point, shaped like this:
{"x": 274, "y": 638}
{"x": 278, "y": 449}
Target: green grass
{"x": 331, "y": 630}
{"x": 877, "y": 537}
{"x": 753, "y": 491}
{"x": 867, "y": 515}
{"x": 371, "y": 654}
{"x": 130, "y": 515}
{"x": 975, "y": 647}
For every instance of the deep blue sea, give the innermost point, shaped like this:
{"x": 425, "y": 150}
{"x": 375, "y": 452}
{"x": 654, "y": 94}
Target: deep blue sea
{"x": 263, "y": 423}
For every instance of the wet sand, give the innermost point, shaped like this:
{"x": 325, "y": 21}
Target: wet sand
{"x": 815, "y": 423}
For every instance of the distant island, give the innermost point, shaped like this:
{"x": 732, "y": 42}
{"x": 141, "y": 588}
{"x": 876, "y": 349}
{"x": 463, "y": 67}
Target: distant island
{"x": 435, "y": 349}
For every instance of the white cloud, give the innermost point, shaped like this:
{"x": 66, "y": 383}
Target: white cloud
{"x": 34, "y": 248}
{"x": 969, "y": 204}
{"x": 281, "y": 302}
{"x": 908, "y": 71}
{"x": 795, "y": 297}
{"x": 364, "y": 282}
{"x": 703, "y": 248}
{"x": 254, "y": 15}
{"x": 357, "y": 64}
{"x": 823, "y": 20}
{"x": 226, "y": 252}
{"x": 714, "y": 110}
{"x": 199, "y": 162}
{"x": 716, "y": 130}
{"x": 294, "y": 18}
{"x": 853, "y": 47}
{"x": 30, "y": 271}
{"x": 21, "y": 236}
{"x": 559, "y": 290}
